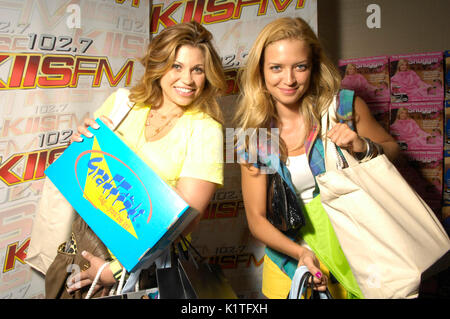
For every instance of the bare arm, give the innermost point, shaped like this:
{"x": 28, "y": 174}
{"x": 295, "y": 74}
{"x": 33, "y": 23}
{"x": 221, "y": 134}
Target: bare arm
{"x": 197, "y": 193}
{"x": 366, "y": 126}
{"x": 254, "y": 194}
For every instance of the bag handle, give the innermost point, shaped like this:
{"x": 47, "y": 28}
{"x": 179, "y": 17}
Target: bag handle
{"x": 190, "y": 249}
{"x": 300, "y": 284}
{"x": 339, "y": 158}
{"x": 122, "y": 106}
{"x": 96, "y": 279}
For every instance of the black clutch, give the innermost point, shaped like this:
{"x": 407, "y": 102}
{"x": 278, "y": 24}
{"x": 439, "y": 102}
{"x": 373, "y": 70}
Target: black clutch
{"x": 283, "y": 208}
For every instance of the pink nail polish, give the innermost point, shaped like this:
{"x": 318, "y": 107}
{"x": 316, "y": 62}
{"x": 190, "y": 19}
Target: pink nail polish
{"x": 318, "y": 274}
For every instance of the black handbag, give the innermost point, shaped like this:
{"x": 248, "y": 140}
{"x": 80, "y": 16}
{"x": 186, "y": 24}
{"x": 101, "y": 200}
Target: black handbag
{"x": 283, "y": 209}
{"x": 192, "y": 278}
{"x": 172, "y": 283}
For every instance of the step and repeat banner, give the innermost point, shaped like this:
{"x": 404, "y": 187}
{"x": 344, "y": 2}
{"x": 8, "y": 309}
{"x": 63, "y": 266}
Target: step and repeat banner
{"x": 60, "y": 59}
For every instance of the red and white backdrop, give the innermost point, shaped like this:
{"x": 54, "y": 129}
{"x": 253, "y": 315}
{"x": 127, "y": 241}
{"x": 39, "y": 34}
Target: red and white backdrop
{"x": 60, "y": 59}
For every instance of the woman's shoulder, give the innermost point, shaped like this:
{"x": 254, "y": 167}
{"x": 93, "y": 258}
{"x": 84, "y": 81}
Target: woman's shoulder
{"x": 201, "y": 119}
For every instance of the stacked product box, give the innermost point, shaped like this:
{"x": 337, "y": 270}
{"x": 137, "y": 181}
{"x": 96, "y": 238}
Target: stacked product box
{"x": 418, "y": 126}
{"x": 368, "y": 77}
{"x": 446, "y": 207}
{"x": 447, "y": 124}
{"x": 405, "y": 93}
{"x": 447, "y": 74}
{"x": 425, "y": 174}
{"x": 446, "y": 210}
{"x": 417, "y": 77}
{"x": 446, "y": 203}
{"x": 417, "y": 120}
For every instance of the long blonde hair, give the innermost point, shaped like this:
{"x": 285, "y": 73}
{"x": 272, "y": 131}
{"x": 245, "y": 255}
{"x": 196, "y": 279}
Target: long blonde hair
{"x": 160, "y": 56}
{"x": 256, "y": 107}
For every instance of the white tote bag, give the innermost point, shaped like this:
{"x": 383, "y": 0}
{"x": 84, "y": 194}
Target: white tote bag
{"x": 52, "y": 224}
{"x": 388, "y": 233}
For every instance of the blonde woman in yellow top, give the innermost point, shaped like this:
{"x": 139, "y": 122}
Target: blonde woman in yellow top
{"x": 175, "y": 125}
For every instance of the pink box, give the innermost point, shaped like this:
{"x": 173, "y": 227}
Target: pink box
{"x": 447, "y": 74}
{"x": 447, "y": 123}
{"x": 417, "y": 77}
{"x": 447, "y": 179}
{"x": 381, "y": 112}
{"x": 425, "y": 173}
{"x": 418, "y": 125}
{"x": 368, "y": 77}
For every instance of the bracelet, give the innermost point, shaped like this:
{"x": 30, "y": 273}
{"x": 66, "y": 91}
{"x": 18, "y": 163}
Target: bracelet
{"x": 373, "y": 149}
{"x": 369, "y": 149}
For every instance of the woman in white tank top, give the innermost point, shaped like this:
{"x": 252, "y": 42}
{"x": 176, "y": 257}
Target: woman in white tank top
{"x": 302, "y": 178}
{"x": 288, "y": 83}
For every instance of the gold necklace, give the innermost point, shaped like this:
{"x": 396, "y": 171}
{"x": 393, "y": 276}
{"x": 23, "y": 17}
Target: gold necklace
{"x": 153, "y": 116}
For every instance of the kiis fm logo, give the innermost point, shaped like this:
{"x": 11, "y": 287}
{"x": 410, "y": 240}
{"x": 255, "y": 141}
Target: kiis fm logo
{"x": 34, "y": 165}
{"x": 134, "y": 3}
{"x": 208, "y": 12}
{"x": 57, "y": 71}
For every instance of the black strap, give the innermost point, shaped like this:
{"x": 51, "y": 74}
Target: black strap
{"x": 191, "y": 250}
{"x": 307, "y": 281}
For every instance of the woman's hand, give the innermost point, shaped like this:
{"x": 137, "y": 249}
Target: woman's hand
{"x": 89, "y": 122}
{"x": 309, "y": 260}
{"x": 343, "y": 136}
{"x": 86, "y": 277}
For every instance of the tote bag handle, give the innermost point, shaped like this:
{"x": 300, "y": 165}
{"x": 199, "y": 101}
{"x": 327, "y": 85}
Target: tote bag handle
{"x": 122, "y": 106}
{"x": 299, "y": 285}
{"x": 335, "y": 161}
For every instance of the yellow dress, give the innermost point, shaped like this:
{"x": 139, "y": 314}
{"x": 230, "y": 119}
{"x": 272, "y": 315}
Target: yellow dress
{"x": 276, "y": 284}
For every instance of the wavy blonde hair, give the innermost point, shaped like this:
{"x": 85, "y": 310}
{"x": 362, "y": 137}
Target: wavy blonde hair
{"x": 160, "y": 56}
{"x": 256, "y": 107}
